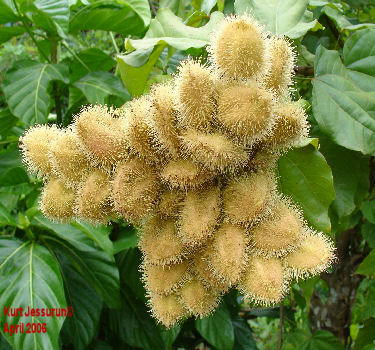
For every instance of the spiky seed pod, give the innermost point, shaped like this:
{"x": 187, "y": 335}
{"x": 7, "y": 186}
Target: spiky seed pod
{"x": 94, "y": 201}
{"x": 163, "y": 121}
{"x": 227, "y": 255}
{"x": 168, "y": 310}
{"x": 198, "y": 299}
{"x": 246, "y": 199}
{"x": 69, "y": 162}
{"x": 199, "y": 215}
{"x": 160, "y": 243}
{"x": 184, "y": 174}
{"x": 280, "y": 233}
{"x": 246, "y": 112}
{"x": 135, "y": 189}
{"x": 291, "y": 125}
{"x": 214, "y": 151}
{"x": 315, "y": 255}
{"x": 238, "y": 48}
{"x": 282, "y": 61}
{"x": 138, "y": 131}
{"x": 170, "y": 203}
{"x": 101, "y": 135}
{"x": 35, "y": 146}
{"x": 57, "y": 200}
{"x": 164, "y": 279}
{"x": 196, "y": 95}
{"x": 264, "y": 159}
{"x": 264, "y": 281}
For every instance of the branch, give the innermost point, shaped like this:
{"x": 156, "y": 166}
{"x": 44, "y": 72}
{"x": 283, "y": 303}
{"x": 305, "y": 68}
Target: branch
{"x": 307, "y": 71}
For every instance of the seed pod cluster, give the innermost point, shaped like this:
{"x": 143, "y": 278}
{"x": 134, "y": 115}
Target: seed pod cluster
{"x": 192, "y": 165}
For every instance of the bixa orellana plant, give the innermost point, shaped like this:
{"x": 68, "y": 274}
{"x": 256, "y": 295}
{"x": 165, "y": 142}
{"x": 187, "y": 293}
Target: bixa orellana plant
{"x": 192, "y": 165}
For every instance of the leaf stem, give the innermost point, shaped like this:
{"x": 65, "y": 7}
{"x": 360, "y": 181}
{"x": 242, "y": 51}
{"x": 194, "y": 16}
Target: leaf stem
{"x": 22, "y": 17}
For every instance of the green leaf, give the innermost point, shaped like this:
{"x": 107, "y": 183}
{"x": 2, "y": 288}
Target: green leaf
{"x": 94, "y": 264}
{"x": 30, "y": 277}
{"x": 366, "y": 336}
{"x": 368, "y": 232}
{"x": 127, "y": 238}
{"x": 306, "y": 177}
{"x": 9, "y": 32}
{"x": 368, "y": 210}
{"x": 169, "y": 335}
{"x": 7, "y": 12}
{"x": 86, "y": 303}
{"x": 346, "y": 182}
{"x": 359, "y": 53}
{"x": 134, "y": 325}
{"x": 97, "y": 86}
{"x": 7, "y": 121}
{"x": 52, "y": 16}
{"x": 217, "y": 329}
{"x": 124, "y": 17}
{"x": 343, "y": 111}
{"x": 364, "y": 306}
{"x": 12, "y": 171}
{"x": 367, "y": 266}
{"x": 135, "y": 78}
{"x": 94, "y": 60}
{"x": 303, "y": 340}
{"x": 243, "y": 337}
{"x": 6, "y": 217}
{"x": 282, "y": 17}
{"x": 25, "y": 87}
{"x": 169, "y": 29}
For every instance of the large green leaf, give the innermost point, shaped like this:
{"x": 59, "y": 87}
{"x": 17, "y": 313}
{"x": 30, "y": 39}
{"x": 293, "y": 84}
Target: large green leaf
{"x": 303, "y": 340}
{"x": 307, "y": 179}
{"x": 94, "y": 264}
{"x": 125, "y": 17}
{"x": 97, "y": 86}
{"x": 367, "y": 266}
{"x": 217, "y": 329}
{"x": 6, "y": 217}
{"x": 25, "y": 87}
{"x": 343, "y": 111}
{"x": 134, "y": 325}
{"x": 7, "y": 121}
{"x": 86, "y": 303}
{"x": 283, "y": 17}
{"x": 9, "y": 32}
{"x": 7, "y": 12}
{"x": 30, "y": 277}
{"x": 12, "y": 171}
{"x": 359, "y": 52}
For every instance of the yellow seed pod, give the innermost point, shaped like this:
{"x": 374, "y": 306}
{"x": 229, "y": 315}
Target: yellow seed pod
{"x": 135, "y": 189}
{"x": 198, "y": 299}
{"x": 163, "y": 121}
{"x": 164, "y": 279}
{"x": 160, "y": 243}
{"x": 69, "y": 162}
{"x": 184, "y": 174}
{"x": 202, "y": 270}
{"x": 170, "y": 203}
{"x": 168, "y": 310}
{"x": 238, "y": 48}
{"x": 214, "y": 151}
{"x": 57, "y": 200}
{"x": 35, "y": 146}
{"x": 246, "y": 112}
{"x": 315, "y": 254}
{"x": 290, "y": 126}
{"x": 138, "y": 131}
{"x": 101, "y": 136}
{"x": 227, "y": 254}
{"x": 282, "y": 60}
{"x": 246, "y": 199}
{"x": 280, "y": 233}
{"x": 264, "y": 159}
{"x": 199, "y": 215}
{"x": 196, "y": 95}
{"x": 94, "y": 197}
{"x": 264, "y": 281}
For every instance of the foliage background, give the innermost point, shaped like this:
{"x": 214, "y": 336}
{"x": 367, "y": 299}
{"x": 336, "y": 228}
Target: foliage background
{"x": 57, "y": 55}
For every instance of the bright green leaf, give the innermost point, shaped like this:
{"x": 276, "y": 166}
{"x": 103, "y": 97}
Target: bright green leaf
{"x": 303, "y": 340}
{"x": 7, "y": 12}
{"x": 306, "y": 177}
{"x": 7, "y": 121}
{"x": 367, "y": 266}
{"x": 9, "y": 32}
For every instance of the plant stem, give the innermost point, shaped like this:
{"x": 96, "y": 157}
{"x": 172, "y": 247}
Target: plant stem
{"x": 53, "y": 41}
{"x": 114, "y": 43}
{"x": 281, "y": 325}
{"x": 22, "y": 17}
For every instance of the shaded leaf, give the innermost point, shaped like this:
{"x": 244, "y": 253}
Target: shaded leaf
{"x": 7, "y": 121}
{"x": 6, "y": 217}
{"x": 127, "y": 238}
